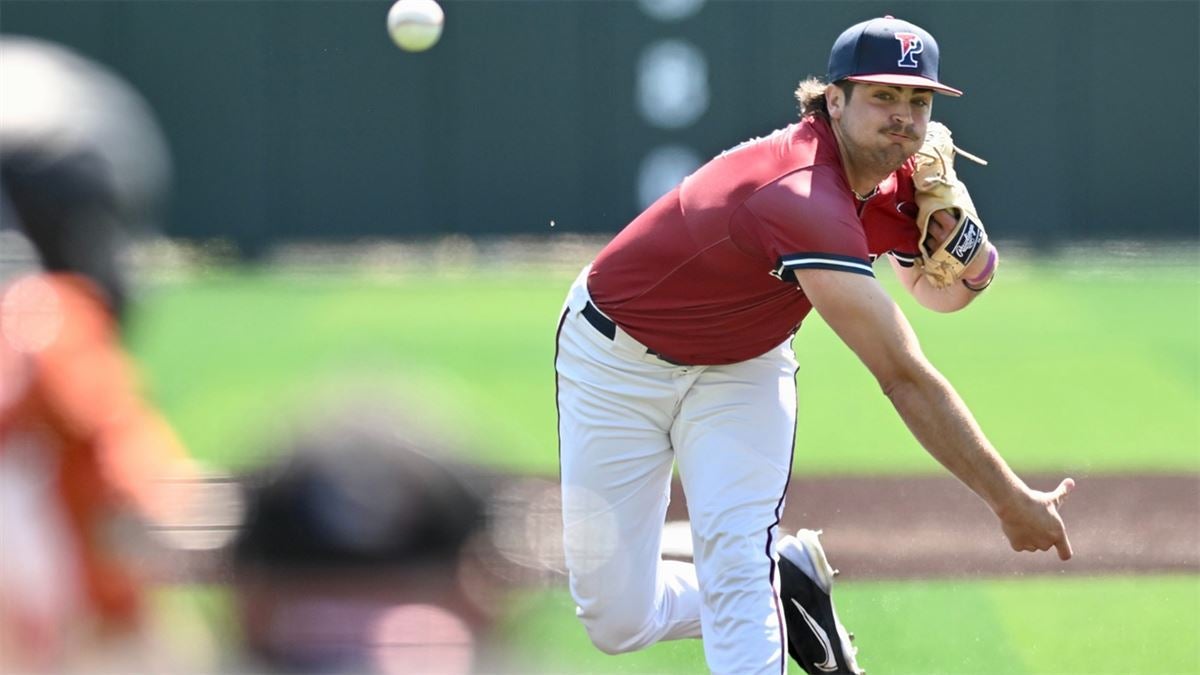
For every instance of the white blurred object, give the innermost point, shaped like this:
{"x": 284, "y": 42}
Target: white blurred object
{"x": 208, "y": 518}
{"x": 415, "y": 25}
{"x": 672, "y": 84}
{"x": 38, "y": 573}
{"x": 671, "y": 10}
{"x": 662, "y": 169}
{"x": 55, "y": 102}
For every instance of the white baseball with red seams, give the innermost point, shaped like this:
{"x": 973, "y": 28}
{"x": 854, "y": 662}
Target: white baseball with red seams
{"x": 415, "y": 25}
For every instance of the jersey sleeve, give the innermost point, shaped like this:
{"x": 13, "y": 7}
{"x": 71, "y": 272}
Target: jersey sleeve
{"x": 90, "y": 388}
{"x": 804, "y": 221}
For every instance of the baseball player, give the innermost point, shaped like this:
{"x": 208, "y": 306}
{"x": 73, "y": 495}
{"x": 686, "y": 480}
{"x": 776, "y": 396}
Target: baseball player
{"x": 80, "y": 450}
{"x": 674, "y": 349}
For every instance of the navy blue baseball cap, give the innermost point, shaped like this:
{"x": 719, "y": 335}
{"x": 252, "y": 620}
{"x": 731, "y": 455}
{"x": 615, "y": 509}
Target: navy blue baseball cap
{"x": 887, "y": 51}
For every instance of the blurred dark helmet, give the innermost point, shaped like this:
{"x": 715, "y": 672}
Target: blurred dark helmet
{"x": 82, "y": 161}
{"x": 360, "y": 553}
{"x": 358, "y": 499}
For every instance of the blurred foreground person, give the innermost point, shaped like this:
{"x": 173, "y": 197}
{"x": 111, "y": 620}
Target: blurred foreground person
{"x": 84, "y": 460}
{"x": 363, "y": 553}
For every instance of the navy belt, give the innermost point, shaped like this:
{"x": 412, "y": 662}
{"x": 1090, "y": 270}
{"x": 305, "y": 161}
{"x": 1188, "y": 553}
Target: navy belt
{"x": 608, "y": 329}
{"x": 600, "y": 322}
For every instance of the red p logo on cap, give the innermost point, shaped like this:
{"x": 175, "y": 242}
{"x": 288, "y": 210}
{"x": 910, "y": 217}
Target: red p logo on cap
{"x": 910, "y": 46}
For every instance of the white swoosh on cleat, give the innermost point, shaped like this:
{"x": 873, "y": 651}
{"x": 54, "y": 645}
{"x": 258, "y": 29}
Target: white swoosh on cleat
{"x": 829, "y": 665}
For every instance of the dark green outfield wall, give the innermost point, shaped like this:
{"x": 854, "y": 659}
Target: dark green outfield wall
{"x": 300, "y": 119}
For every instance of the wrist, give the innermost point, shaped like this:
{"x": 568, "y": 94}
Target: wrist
{"x": 1011, "y": 500}
{"x": 981, "y": 279}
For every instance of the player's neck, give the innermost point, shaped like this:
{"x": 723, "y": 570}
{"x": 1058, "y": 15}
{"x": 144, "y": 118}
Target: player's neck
{"x": 863, "y": 180}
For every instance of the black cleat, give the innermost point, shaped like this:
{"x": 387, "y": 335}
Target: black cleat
{"x": 816, "y": 639}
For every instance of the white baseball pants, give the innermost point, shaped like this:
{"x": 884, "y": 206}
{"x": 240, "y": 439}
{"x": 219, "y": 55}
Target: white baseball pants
{"x": 625, "y": 417}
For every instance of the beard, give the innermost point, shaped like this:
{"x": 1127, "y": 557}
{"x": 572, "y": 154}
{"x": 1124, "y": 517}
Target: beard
{"x": 880, "y": 160}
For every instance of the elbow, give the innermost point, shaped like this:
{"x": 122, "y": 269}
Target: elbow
{"x": 893, "y": 384}
{"x": 946, "y": 301}
{"x": 904, "y": 375}
{"x": 947, "y": 308}
{"x": 940, "y": 308}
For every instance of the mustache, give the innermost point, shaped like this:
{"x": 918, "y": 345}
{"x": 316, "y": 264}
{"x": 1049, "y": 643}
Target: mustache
{"x": 906, "y": 131}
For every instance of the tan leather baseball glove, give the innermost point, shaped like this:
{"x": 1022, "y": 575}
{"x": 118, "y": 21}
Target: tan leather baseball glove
{"x": 937, "y": 188}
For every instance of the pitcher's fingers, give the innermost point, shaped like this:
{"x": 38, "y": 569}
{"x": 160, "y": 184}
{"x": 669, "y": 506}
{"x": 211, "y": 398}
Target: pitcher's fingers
{"x": 1064, "y": 488}
{"x": 937, "y": 233}
{"x": 946, "y": 219}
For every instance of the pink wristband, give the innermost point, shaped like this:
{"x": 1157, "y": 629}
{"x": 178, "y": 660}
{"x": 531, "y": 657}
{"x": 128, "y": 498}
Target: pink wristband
{"x": 989, "y": 269}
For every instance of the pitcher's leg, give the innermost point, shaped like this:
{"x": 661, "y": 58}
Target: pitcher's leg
{"x": 616, "y": 463}
{"x": 734, "y": 438}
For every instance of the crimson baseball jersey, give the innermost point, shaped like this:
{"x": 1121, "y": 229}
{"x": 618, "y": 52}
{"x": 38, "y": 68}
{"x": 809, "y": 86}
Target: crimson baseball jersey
{"x": 706, "y": 274}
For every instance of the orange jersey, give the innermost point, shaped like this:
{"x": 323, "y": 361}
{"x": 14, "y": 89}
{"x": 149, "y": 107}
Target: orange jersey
{"x": 69, "y": 403}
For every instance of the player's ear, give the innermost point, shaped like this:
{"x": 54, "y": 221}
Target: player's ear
{"x": 835, "y": 100}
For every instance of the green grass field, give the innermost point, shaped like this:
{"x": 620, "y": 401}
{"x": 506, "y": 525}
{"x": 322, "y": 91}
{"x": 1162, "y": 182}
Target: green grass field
{"x": 1065, "y": 370}
{"x": 1046, "y": 626}
{"x": 1041, "y": 626}
{"x": 1068, "y": 368}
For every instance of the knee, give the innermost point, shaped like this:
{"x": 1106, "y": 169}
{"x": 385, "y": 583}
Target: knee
{"x": 613, "y": 634}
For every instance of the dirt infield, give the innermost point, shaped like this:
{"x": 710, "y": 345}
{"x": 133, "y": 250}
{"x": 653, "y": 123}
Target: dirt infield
{"x": 875, "y": 528}
{"x": 925, "y": 527}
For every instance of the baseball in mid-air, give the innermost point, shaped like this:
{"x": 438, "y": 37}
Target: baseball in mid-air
{"x": 415, "y": 25}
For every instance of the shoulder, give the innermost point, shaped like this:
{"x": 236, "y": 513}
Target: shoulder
{"x": 804, "y": 219}
{"x": 812, "y": 195}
